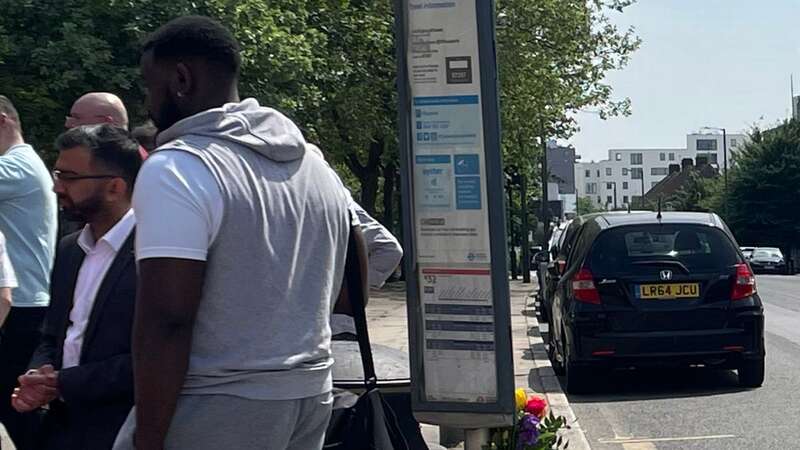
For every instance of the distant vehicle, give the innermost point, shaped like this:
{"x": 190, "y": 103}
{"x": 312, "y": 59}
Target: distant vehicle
{"x": 543, "y": 260}
{"x": 768, "y": 260}
{"x": 640, "y": 290}
{"x": 747, "y": 252}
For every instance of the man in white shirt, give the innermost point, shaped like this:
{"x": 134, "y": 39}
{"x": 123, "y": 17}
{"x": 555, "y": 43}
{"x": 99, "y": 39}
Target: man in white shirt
{"x": 82, "y": 367}
{"x": 8, "y": 280}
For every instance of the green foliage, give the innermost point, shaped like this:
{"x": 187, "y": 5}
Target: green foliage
{"x": 549, "y": 435}
{"x": 586, "y": 206}
{"x": 328, "y": 64}
{"x": 693, "y": 195}
{"x": 764, "y": 185}
{"x": 553, "y": 57}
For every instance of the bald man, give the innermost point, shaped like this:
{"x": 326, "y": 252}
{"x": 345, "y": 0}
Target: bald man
{"x": 97, "y": 108}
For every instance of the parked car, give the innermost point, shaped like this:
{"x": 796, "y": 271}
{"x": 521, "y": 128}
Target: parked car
{"x": 747, "y": 252}
{"x": 768, "y": 260}
{"x": 648, "y": 289}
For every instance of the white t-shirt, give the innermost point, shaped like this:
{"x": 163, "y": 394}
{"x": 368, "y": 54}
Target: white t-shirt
{"x": 8, "y": 278}
{"x": 175, "y": 190}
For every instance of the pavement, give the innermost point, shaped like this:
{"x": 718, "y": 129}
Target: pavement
{"x": 386, "y": 316}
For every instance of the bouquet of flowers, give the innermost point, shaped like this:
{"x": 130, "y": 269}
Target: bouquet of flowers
{"x": 533, "y": 429}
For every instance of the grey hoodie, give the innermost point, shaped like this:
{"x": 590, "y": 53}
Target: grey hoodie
{"x": 275, "y": 267}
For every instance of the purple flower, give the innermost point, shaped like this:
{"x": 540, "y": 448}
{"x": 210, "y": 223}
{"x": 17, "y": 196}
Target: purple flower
{"x": 528, "y": 430}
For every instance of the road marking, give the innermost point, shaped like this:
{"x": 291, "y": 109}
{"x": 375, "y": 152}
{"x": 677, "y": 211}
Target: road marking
{"x": 625, "y": 441}
{"x": 639, "y": 446}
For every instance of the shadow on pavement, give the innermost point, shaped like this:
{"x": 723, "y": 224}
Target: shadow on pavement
{"x": 662, "y": 383}
{"x": 624, "y": 385}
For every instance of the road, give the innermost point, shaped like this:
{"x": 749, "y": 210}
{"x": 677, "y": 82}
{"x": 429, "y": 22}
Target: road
{"x": 706, "y": 409}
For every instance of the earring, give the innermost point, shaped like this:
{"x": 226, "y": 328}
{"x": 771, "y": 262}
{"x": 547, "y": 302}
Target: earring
{"x": 179, "y": 94}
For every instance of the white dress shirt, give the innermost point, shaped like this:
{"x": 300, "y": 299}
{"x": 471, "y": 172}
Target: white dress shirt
{"x": 99, "y": 257}
{"x": 383, "y": 254}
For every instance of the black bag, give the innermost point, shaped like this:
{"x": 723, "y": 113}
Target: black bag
{"x": 368, "y": 422}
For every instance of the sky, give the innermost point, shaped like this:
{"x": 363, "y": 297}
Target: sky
{"x": 716, "y": 63}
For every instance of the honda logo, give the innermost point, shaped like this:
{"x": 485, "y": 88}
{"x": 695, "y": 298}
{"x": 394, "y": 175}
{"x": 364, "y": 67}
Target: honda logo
{"x": 666, "y": 275}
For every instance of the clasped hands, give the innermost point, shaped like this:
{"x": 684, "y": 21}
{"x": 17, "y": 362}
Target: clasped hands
{"x": 37, "y": 388}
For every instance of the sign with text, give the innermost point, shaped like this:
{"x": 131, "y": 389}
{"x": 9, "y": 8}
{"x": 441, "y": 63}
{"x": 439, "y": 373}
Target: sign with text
{"x": 458, "y": 287}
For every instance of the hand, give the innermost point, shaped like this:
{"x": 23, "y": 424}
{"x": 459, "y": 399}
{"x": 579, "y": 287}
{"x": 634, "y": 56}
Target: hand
{"x": 37, "y": 388}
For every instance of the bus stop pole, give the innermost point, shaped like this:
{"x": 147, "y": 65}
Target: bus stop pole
{"x": 476, "y": 439}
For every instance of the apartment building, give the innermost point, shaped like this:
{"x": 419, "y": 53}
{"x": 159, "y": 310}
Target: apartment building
{"x": 627, "y": 174}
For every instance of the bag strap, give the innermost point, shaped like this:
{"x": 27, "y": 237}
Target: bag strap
{"x": 357, "y": 295}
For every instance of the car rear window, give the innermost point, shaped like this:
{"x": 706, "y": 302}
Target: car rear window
{"x": 633, "y": 249}
{"x": 767, "y": 253}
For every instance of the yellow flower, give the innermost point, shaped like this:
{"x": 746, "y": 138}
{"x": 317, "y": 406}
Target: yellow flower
{"x": 520, "y": 398}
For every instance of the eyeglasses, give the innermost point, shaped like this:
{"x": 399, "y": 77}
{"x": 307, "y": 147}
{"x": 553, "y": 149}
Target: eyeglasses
{"x": 61, "y": 176}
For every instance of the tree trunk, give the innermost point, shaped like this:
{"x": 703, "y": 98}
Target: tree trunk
{"x": 389, "y": 173}
{"x": 368, "y": 174}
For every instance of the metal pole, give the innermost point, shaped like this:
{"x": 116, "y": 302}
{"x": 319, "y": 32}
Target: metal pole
{"x": 475, "y": 439}
{"x": 615, "y": 194}
{"x": 725, "y": 165}
{"x": 512, "y": 254}
{"x": 643, "y": 205}
{"x": 526, "y": 249}
{"x": 545, "y": 199}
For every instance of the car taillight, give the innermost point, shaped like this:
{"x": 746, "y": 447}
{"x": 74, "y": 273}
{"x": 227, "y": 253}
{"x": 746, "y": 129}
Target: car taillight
{"x": 745, "y": 284}
{"x": 583, "y": 287}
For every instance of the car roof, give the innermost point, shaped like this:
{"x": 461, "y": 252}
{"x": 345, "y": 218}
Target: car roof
{"x": 610, "y": 220}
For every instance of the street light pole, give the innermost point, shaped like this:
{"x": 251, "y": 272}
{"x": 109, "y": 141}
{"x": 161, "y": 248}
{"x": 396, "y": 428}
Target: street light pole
{"x": 615, "y": 194}
{"x": 725, "y": 165}
{"x": 642, "y": 178}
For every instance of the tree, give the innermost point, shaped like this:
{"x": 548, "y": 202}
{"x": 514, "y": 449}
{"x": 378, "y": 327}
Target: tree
{"x": 586, "y": 206}
{"x": 692, "y": 196}
{"x": 553, "y": 58}
{"x": 764, "y": 185}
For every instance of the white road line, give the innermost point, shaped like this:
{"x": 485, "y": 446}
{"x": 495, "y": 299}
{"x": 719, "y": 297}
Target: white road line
{"x": 639, "y": 446}
{"x": 625, "y": 441}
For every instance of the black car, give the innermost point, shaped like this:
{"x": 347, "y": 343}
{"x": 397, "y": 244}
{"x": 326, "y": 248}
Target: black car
{"x": 768, "y": 260}
{"x": 651, "y": 289}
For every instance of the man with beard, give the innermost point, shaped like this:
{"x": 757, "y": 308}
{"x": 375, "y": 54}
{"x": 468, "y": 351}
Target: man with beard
{"x": 28, "y": 221}
{"x": 241, "y": 241}
{"x": 82, "y": 367}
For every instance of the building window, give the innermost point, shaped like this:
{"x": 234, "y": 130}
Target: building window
{"x": 659, "y": 171}
{"x": 619, "y": 157}
{"x": 588, "y": 174}
{"x": 609, "y": 185}
{"x": 734, "y": 142}
{"x": 591, "y": 188}
{"x": 712, "y": 158}
{"x": 662, "y": 156}
{"x": 624, "y": 199}
{"x": 598, "y": 199}
{"x": 636, "y": 158}
{"x": 624, "y": 185}
{"x": 637, "y": 173}
{"x": 608, "y": 171}
{"x": 672, "y": 156}
{"x": 706, "y": 145}
{"x": 609, "y": 200}
{"x": 598, "y": 173}
{"x": 624, "y": 171}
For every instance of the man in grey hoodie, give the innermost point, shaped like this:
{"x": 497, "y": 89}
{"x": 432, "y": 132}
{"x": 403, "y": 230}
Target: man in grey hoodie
{"x": 241, "y": 241}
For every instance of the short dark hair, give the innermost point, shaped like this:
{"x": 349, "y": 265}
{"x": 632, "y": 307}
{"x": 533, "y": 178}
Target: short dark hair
{"x": 196, "y": 37}
{"x": 111, "y": 146}
{"x": 145, "y": 134}
{"x": 7, "y": 108}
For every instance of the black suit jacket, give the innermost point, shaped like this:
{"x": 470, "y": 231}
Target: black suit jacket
{"x": 98, "y": 393}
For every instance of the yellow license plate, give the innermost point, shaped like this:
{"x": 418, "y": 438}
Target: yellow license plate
{"x": 669, "y": 291}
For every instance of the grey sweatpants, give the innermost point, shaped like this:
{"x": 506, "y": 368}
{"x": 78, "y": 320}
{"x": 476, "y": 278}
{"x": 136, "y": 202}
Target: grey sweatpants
{"x": 216, "y": 422}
